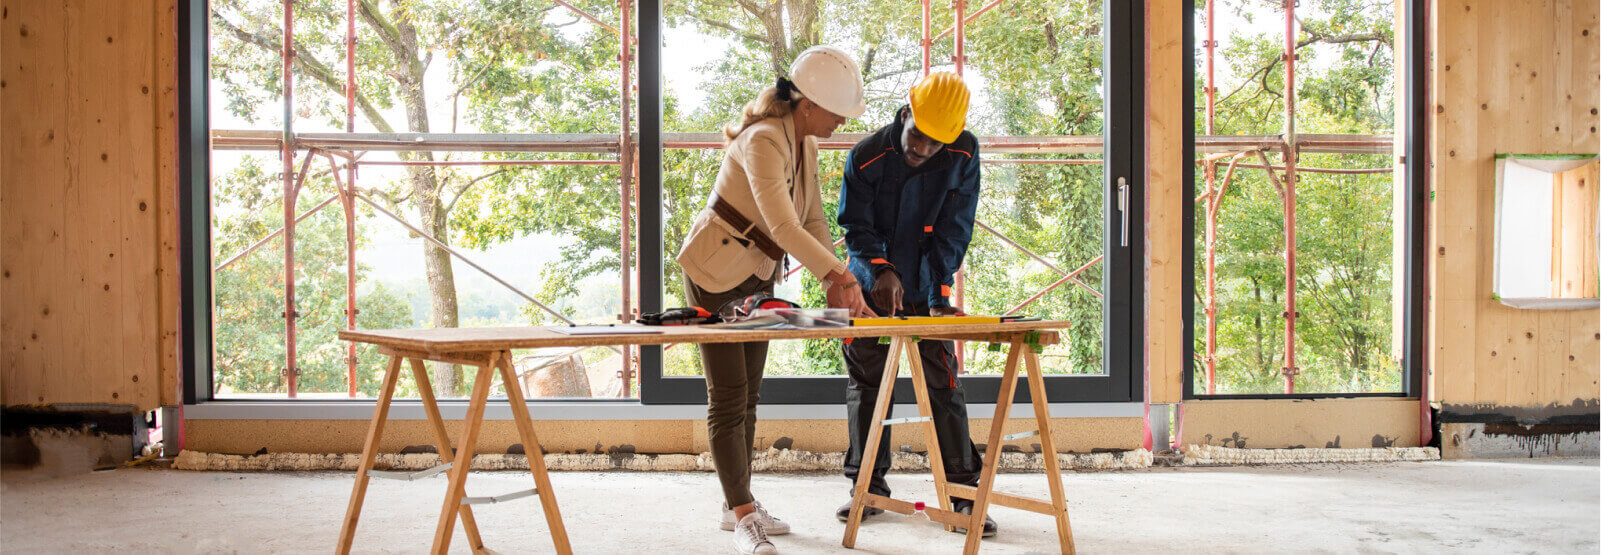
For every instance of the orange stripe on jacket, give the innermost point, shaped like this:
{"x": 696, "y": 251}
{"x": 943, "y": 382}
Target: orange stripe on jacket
{"x": 875, "y": 159}
{"x": 969, "y": 154}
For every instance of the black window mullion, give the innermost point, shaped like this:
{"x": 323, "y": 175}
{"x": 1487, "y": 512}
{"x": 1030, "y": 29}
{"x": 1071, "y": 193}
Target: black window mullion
{"x": 652, "y": 388}
{"x": 194, "y": 200}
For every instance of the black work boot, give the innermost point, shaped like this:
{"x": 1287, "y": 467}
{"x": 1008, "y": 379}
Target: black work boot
{"x": 844, "y": 512}
{"x": 966, "y": 507}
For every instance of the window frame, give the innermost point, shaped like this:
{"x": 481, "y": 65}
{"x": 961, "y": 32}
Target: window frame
{"x": 1122, "y": 313}
{"x": 1414, "y": 165}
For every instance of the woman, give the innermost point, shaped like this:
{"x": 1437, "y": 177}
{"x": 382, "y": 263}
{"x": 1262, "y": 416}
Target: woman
{"x": 766, "y": 204}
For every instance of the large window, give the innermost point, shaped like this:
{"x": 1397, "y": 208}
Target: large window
{"x": 1299, "y": 237}
{"x": 444, "y": 163}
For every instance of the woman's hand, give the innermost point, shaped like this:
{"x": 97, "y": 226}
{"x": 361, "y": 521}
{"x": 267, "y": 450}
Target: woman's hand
{"x": 845, "y": 292}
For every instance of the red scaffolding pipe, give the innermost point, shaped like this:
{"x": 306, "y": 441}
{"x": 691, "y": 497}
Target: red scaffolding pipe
{"x": 348, "y": 202}
{"x": 969, "y": 18}
{"x": 927, "y": 41}
{"x": 961, "y": 34}
{"x": 290, "y": 192}
{"x": 350, "y": 67}
{"x": 1290, "y": 156}
{"x": 625, "y": 154}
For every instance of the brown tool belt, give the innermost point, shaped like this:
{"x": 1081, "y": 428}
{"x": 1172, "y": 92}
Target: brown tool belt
{"x": 727, "y": 212}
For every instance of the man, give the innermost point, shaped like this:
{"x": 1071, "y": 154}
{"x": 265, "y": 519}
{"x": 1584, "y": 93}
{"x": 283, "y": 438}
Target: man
{"x": 907, "y": 203}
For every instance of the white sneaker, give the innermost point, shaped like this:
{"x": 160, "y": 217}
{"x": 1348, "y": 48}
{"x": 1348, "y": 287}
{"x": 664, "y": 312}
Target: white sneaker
{"x": 751, "y": 539}
{"x": 773, "y": 526}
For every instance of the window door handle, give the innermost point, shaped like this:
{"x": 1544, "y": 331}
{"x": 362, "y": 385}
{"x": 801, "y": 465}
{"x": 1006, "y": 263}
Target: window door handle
{"x": 1122, "y": 207}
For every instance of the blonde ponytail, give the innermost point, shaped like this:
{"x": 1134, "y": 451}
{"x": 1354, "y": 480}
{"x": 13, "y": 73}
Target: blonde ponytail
{"x": 765, "y": 105}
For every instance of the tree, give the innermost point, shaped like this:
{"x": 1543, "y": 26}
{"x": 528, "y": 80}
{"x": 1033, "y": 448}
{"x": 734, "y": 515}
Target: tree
{"x": 249, "y": 329}
{"x": 1345, "y": 75}
{"x": 492, "y": 46}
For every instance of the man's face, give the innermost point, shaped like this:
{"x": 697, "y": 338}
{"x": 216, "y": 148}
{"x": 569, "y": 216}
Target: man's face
{"x": 918, "y": 147}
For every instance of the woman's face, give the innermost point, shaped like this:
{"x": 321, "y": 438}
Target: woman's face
{"x": 816, "y": 121}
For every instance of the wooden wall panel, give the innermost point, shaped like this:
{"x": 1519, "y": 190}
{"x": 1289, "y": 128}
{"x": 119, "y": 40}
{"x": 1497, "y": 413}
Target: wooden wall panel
{"x": 80, "y": 177}
{"x": 165, "y": 201}
{"x": 1164, "y": 200}
{"x": 1508, "y": 77}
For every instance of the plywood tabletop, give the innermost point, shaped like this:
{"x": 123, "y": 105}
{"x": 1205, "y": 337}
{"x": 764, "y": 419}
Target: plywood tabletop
{"x": 456, "y": 340}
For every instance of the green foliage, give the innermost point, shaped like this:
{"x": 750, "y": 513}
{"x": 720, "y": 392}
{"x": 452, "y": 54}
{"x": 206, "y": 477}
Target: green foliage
{"x": 524, "y": 66}
{"x": 249, "y": 329}
{"x": 1344, "y": 234}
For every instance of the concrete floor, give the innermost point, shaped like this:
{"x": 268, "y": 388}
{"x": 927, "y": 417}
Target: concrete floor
{"x": 1544, "y": 506}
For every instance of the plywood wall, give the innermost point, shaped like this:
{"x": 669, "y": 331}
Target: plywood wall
{"x": 1166, "y": 55}
{"x": 1508, "y": 77}
{"x": 87, "y": 186}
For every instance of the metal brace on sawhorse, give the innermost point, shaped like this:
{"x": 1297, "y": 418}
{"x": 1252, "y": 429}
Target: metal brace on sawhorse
{"x": 1021, "y": 349}
{"x": 457, "y": 503}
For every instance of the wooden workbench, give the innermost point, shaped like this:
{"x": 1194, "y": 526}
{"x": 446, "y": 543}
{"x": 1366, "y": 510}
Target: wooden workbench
{"x": 489, "y": 349}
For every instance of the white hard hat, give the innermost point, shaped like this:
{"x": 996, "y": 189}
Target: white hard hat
{"x": 831, "y": 79}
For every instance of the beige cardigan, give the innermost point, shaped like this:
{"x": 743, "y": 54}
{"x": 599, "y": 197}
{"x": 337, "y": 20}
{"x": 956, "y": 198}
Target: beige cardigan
{"x": 756, "y": 178}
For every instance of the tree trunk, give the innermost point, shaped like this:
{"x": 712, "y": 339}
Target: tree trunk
{"x": 425, "y": 185}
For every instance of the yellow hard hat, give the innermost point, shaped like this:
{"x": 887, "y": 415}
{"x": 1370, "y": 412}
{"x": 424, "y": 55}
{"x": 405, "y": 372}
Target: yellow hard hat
{"x": 939, "y": 106}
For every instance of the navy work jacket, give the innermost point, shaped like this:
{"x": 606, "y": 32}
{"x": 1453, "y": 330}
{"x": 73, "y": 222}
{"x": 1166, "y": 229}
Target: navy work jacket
{"x": 916, "y": 221}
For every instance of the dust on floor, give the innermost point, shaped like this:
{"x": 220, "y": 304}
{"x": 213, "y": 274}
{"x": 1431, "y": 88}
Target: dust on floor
{"x": 1546, "y": 506}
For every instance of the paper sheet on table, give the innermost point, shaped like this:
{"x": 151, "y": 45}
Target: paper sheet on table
{"x": 605, "y": 330}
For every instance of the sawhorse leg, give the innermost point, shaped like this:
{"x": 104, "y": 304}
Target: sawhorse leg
{"x": 875, "y": 432}
{"x": 875, "y": 435}
{"x": 442, "y": 443}
{"x": 535, "y": 454}
{"x": 936, "y": 457}
{"x": 1053, "y": 467}
{"x": 992, "y": 454}
{"x": 369, "y": 453}
{"x": 464, "y": 455}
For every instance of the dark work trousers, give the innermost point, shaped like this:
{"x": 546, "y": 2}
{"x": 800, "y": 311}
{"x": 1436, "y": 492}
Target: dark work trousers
{"x": 864, "y": 361}
{"x": 733, "y": 385}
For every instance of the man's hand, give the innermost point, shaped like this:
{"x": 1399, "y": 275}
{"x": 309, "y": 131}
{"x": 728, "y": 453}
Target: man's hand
{"x": 887, "y": 291}
{"x": 946, "y": 311}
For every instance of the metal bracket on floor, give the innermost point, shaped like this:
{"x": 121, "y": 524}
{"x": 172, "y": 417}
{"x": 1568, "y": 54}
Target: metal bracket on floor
{"x": 1021, "y": 435}
{"x": 408, "y": 476}
{"x": 499, "y": 498}
{"x": 907, "y": 420}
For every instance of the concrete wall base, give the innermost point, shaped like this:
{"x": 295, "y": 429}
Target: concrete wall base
{"x": 1480, "y": 440}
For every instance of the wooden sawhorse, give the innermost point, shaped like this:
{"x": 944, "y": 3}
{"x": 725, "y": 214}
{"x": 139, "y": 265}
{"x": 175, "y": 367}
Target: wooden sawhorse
{"x": 982, "y": 496}
{"x": 456, "y": 501}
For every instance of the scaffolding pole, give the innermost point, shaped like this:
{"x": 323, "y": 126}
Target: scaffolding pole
{"x": 625, "y": 154}
{"x": 1290, "y": 155}
{"x": 290, "y": 192}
